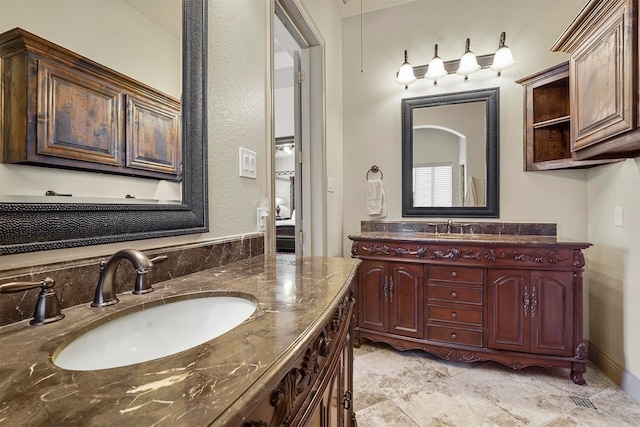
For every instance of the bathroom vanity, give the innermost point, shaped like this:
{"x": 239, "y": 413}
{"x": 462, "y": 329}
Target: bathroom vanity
{"x": 289, "y": 363}
{"x": 466, "y": 296}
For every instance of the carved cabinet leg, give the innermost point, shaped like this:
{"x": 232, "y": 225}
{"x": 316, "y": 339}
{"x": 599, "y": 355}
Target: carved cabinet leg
{"x": 577, "y": 369}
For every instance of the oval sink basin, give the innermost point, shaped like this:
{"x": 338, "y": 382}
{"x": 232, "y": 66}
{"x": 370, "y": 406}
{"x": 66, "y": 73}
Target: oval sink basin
{"x": 146, "y": 333}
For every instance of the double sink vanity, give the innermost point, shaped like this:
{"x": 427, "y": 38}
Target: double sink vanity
{"x": 510, "y": 293}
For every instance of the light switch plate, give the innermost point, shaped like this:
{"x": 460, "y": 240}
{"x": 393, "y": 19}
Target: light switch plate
{"x": 247, "y": 161}
{"x": 618, "y": 216}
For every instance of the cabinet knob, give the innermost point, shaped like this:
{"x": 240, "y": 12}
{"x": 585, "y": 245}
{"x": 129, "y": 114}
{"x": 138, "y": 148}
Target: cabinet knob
{"x": 454, "y": 294}
{"x": 454, "y": 336}
{"x": 454, "y": 315}
{"x": 454, "y": 274}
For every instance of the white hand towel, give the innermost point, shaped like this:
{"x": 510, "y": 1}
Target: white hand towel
{"x": 470, "y": 198}
{"x": 376, "y": 202}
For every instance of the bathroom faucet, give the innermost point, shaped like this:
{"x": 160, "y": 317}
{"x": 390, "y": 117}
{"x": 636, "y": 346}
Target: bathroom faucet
{"x": 47, "y": 307}
{"x": 105, "y": 290}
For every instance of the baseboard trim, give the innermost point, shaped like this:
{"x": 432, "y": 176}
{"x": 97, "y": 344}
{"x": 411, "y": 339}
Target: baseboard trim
{"x": 628, "y": 382}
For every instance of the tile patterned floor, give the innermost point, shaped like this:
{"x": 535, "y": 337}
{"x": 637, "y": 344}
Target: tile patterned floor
{"x": 413, "y": 388}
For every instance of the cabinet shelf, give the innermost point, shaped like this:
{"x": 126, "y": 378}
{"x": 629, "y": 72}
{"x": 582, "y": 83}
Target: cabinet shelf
{"x": 551, "y": 122}
{"x": 547, "y": 118}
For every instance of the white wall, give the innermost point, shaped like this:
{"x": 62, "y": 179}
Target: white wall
{"x": 372, "y": 99}
{"x": 614, "y": 269}
{"x": 325, "y": 15}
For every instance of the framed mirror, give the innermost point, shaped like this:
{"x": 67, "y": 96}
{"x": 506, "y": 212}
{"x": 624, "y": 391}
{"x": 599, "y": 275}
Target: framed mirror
{"x": 26, "y": 227}
{"x": 450, "y": 153}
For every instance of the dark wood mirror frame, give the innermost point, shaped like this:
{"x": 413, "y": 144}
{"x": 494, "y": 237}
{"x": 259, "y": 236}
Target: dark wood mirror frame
{"x": 28, "y": 227}
{"x": 492, "y": 98}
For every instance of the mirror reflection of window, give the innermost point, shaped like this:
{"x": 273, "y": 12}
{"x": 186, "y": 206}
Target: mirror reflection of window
{"x": 432, "y": 185}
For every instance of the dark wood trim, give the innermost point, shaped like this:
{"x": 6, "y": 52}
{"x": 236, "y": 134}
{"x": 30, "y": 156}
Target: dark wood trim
{"x": 491, "y": 210}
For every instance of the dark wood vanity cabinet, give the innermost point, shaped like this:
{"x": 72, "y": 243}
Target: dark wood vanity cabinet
{"x": 63, "y": 110}
{"x": 474, "y": 299}
{"x": 603, "y": 80}
{"x": 391, "y": 295}
{"x": 317, "y": 389}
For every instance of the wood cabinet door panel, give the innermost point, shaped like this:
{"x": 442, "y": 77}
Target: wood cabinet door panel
{"x": 78, "y": 118}
{"x": 602, "y": 83}
{"x": 508, "y": 296}
{"x": 552, "y": 313}
{"x": 153, "y": 136}
{"x": 373, "y": 306}
{"x": 406, "y": 299}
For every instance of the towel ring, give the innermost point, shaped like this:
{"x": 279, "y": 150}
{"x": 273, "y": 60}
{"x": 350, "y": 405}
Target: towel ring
{"x": 374, "y": 169}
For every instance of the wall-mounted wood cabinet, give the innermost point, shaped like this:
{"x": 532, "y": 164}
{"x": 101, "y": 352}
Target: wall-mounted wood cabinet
{"x": 519, "y": 304}
{"x": 547, "y": 120}
{"x": 603, "y": 79}
{"x": 63, "y": 110}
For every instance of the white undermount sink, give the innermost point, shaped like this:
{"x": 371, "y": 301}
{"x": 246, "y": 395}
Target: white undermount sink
{"x": 154, "y": 330}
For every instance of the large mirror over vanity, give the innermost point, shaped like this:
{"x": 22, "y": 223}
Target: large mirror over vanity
{"x": 174, "y": 205}
{"x": 450, "y": 155}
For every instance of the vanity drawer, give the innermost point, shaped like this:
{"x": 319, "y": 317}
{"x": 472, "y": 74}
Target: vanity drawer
{"x": 455, "y": 335}
{"x": 458, "y": 294}
{"x": 456, "y": 274}
{"x": 454, "y": 315}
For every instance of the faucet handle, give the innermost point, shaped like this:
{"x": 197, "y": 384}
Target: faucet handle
{"x": 158, "y": 259}
{"x": 47, "y": 308}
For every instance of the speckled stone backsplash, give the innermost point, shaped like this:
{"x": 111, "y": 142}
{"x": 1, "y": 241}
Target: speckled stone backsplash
{"x": 510, "y": 228}
{"x": 76, "y": 280}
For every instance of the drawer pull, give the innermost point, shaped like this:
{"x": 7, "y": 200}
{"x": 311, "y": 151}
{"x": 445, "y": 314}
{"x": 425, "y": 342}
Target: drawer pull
{"x": 454, "y": 294}
{"x": 454, "y": 336}
{"x": 454, "y": 274}
{"x": 454, "y": 315}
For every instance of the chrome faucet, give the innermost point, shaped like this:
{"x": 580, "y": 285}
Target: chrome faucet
{"x": 105, "y": 290}
{"x": 47, "y": 307}
{"x": 449, "y": 224}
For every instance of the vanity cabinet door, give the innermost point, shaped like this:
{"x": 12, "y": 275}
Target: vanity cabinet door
{"x": 531, "y": 311}
{"x": 602, "y": 42}
{"x": 390, "y": 298}
{"x": 373, "y": 296}
{"x": 602, "y": 86}
{"x": 406, "y": 300}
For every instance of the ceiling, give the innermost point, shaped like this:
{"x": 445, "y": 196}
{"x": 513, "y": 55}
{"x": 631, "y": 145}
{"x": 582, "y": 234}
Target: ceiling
{"x": 352, "y": 7}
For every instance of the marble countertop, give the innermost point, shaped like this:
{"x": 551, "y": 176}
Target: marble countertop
{"x": 467, "y": 238}
{"x": 215, "y": 383}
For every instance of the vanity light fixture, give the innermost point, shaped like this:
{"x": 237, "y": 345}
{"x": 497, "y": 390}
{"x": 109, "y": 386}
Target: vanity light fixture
{"x": 405, "y": 75}
{"x": 503, "y": 57}
{"x": 436, "y": 70}
{"x": 468, "y": 64}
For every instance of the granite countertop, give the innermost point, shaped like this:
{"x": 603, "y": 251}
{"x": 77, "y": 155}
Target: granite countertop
{"x": 216, "y": 383}
{"x": 467, "y": 238}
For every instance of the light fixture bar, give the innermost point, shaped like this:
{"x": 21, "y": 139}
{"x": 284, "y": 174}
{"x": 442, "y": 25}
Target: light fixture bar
{"x": 484, "y": 61}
